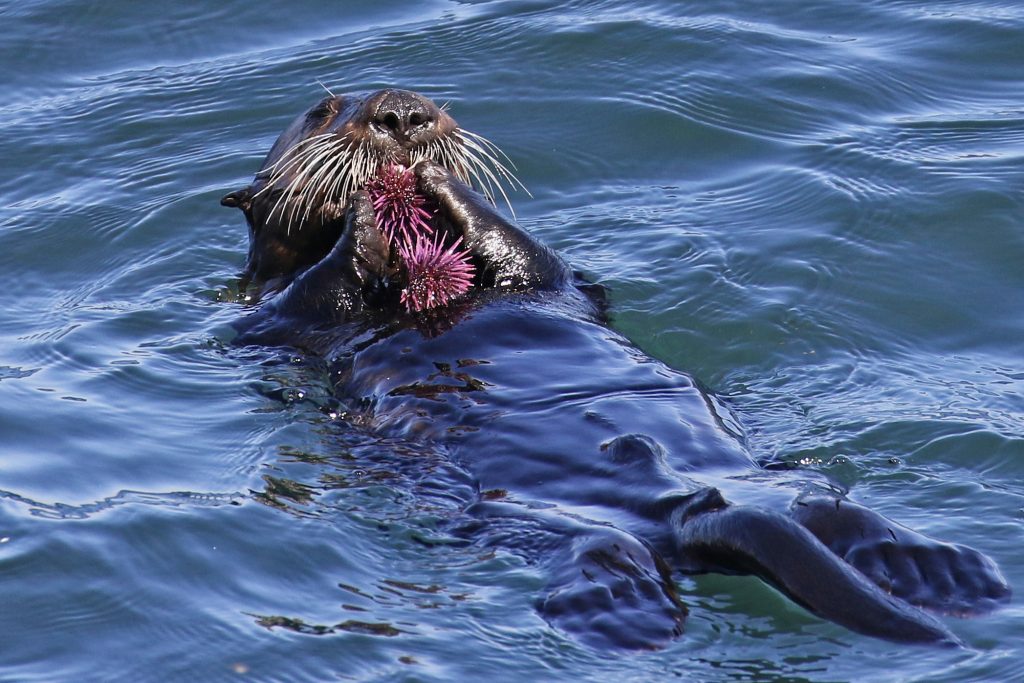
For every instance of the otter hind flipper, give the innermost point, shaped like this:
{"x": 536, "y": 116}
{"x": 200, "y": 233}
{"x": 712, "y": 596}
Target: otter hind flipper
{"x": 945, "y": 577}
{"x": 776, "y": 548}
{"x": 614, "y": 592}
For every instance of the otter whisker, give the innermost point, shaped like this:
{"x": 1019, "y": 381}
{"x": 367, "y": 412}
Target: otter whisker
{"x": 432, "y": 150}
{"x": 452, "y": 157}
{"x": 320, "y": 180}
{"x": 364, "y": 165}
{"x": 301, "y": 160}
{"x": 271, "y": 180}
{"x": 480, "y": 158}
{"x": 336, "y": 184}
{"x": 491, "y": 152}
{"x": 321, "y": 183}
{"x": 338, "y": 171}
{"x": 420, "y": 153}
{"x": 311, "y": 165}
{"x": 328, "y": 182}
{"x": 297, "y": 188}
{"x": 484, "y": 176}
{"x": 350, "y": 183}
{"x": 303, "y": 177}
{"x": 293, "y": 155}
{"x": 494, "y": 150}
{"x": 485, "y": 179}
{"x": 480, "y": 139}
{"x": 298, "y": 148}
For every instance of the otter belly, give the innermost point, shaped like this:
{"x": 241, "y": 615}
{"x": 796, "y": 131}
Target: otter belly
{"x": 528, "y": 391}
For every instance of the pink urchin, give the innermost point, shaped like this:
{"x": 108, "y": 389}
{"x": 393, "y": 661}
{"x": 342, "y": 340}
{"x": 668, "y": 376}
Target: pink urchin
{"x": 397, "y": 204}
{"x": 437, "y": 274}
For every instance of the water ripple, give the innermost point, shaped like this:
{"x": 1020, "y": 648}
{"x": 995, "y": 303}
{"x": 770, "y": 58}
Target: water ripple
{"x": 815, "y": 208}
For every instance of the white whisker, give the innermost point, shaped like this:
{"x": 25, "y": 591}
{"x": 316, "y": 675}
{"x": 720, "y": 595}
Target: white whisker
{"x": 318, "y": 182}
{"x": 297, "y": 188}
{"x": 326, "y": 169}
{"x": 490, "y": 151}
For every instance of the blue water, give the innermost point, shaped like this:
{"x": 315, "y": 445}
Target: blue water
{"x": 814, "y": 208}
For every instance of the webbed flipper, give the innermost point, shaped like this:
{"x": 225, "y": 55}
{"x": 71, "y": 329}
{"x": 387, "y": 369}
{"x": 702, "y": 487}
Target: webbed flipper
{"x": 614, "y": 591}
{"x": 946, "y": 577}
{"x": 607, "y": 588}
{"x": 748, "y": 539}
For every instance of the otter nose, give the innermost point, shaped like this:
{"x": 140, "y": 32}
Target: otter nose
{"x": 401, "y": 113}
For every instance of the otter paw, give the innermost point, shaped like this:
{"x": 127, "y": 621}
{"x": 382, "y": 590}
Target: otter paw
{"x": 428, "y": 171}
{"x": 366, "y": 245}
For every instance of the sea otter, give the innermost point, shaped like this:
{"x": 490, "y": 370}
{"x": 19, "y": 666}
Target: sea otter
{"x": 571, "y": 446}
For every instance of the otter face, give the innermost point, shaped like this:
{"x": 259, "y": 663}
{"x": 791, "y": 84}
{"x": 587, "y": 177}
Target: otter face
{"x": 296, "y": 205}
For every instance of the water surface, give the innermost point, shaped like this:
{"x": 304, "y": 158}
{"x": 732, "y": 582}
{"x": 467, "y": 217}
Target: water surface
{"x": 815, "y": 209}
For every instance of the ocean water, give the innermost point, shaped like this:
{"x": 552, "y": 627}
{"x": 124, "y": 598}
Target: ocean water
{"x": 817, "y": 209}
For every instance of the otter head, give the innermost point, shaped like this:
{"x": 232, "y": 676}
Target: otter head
{"x": 296, "y": 205}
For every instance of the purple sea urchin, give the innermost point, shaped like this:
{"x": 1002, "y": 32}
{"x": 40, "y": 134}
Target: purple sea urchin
{"x": 397, "y": 204}
{"x": 437, "y": 274}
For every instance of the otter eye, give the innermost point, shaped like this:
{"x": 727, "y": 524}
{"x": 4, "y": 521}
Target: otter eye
{"x": 322, "y": 110}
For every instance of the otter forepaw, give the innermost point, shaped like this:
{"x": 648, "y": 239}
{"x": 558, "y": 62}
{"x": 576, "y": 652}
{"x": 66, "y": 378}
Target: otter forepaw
{"x": 362, "y": 241}
{"x": 430, "y": 173}
{"x": 506, "y": 255}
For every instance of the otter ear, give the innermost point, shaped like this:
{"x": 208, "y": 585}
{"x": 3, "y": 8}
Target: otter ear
{"x": 238, "y": 199}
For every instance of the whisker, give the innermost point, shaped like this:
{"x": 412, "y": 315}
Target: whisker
{"x": 310, "y": 163}
{"x": 491, "y": 152}
{"x": 485, "y": 170}
{"x": 485, "y": 178}
{"x": 454, "y": 159}
{"x": 342, "y": 186}
{"x": 296, "y": 189}
{"x": 317, "y": 183}
{"x": 338, "y": 172}
{"x": 327, "y": 168}
{"x": 300, "y": 159}
{"x": 295, "y": 151}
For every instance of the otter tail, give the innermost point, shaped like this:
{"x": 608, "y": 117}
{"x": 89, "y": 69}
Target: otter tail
{"x": 776, "y": 548}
